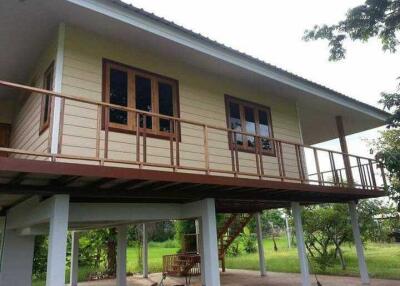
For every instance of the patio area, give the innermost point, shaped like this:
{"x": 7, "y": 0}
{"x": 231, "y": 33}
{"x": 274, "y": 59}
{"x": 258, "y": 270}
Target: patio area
{"x": 249, "y": 278}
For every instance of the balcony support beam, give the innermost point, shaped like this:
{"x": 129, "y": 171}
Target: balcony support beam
{"x": 122, "y": 241}
{"x": 344, "y": 149}
{"x": 301, "y": 247}
{"x": 145, "y": 252}
{"x": 261, "y": 257}
{"x": 357, "y": 241}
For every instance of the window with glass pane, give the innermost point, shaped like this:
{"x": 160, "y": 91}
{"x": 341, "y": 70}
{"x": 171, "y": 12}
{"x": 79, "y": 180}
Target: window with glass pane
{"x": 144, "y": 91}
{"x": 250, "y": 118}
{"x": 118, "y": 96}
{"x": 264, "y": 129}
{"x": 166, "y": 105}
{"x": 143, "y": 99}
{"x": 235, "y": 122}
{"x": 250, "y": 125}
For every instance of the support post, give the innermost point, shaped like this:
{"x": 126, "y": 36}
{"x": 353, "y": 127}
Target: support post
{"x": 344, "y": 149}
{"x": 57, "y": 241}
{"x": 209, "y": 258}
{"x": 17, "y": 259}
{"x": 122, "y": 233}
{"x": 74, "y": 259}
{"x": 288, "y": 232}
{"x": 359, "y": 247}
{"x": 58, "y": 73}
{"x": 201, "y": 252}
{"x": 197, "y": 226}
{"x": 145, "y": 252}
{"x": 261, "y": 258}
{"x": 301, "y": 248}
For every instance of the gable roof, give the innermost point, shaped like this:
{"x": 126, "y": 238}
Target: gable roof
{"x": 238, "y": 53}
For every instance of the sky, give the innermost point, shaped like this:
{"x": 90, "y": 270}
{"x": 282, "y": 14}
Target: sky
{"x": 272, "y": 31}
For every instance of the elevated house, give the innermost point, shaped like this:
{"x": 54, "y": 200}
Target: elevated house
{"x": 111, "y": 116}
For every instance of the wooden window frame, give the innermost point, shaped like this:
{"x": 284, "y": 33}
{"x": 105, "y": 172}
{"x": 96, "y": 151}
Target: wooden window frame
{"x": 132, "y": 72}
{"x": 256, "y": 107}
{"x": 44, "y": 124}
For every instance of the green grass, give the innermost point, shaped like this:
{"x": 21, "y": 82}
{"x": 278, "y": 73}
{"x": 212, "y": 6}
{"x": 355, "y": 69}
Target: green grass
{"x": 383, "y": 260}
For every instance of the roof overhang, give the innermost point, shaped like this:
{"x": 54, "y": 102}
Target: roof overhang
{"x": 317, "y": 104}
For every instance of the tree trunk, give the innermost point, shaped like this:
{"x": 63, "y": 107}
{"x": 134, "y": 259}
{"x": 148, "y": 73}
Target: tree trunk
{"x": 111, "y": 253}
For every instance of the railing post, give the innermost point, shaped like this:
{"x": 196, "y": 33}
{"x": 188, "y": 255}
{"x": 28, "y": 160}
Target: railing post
{"x": 98, "y": 129}
{"x": 206, "y": 155}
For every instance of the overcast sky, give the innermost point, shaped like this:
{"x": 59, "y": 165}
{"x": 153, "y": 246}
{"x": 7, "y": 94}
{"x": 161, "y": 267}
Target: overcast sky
{"x": 272, "y": 31}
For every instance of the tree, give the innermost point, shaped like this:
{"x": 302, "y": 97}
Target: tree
{"x": 326, "y": 228}
{"x": 374, "y": 18}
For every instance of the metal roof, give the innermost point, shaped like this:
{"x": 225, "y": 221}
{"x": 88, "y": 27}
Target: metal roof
{"x": 238, "y": 53}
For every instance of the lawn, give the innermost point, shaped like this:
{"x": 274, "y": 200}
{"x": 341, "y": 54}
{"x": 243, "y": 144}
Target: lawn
{"x": 383, "y": 260}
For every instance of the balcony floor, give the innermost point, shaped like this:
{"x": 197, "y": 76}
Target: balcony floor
{"x": 20, "y": 178}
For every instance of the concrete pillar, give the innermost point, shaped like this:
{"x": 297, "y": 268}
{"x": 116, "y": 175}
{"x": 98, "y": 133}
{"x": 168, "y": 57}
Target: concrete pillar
{"x": 261, "y": 258}
{"x": 210, "y": 263}
{"x": 57, "y": 241}
{"x": 17, "y": 259}
{"x": 359, "y": 247}
{"x": 301, "y": 248}
{"x": 122, "y": 235}
{"x": 201, "y": 252}
{"x": 74, "y": 259}
{"x": 197, "y": 226}
{"x": 288, "y": 232}
{"x": 145, "y": 252}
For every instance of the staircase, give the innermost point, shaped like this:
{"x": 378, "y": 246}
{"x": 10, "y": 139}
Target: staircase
{"x": 229, "y": 231}
{"x": 188, "y": 264}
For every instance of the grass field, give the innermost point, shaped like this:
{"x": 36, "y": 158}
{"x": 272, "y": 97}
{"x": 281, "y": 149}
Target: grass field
{"x": 383, "y": 260}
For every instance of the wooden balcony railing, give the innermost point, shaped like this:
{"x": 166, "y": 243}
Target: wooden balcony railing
{"x": 214, "y": 148}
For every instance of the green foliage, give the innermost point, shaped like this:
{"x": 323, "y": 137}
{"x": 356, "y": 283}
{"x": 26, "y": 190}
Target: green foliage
{"x": 40, "y": 257}
{"x": 374, "y": 18}
{"x": 326, "y": 227}
{"x": 387, "y": 149}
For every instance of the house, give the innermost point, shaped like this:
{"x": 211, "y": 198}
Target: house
{"x": 113, "y": 116}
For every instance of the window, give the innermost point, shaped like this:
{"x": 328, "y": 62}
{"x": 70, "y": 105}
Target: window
{"x": 134, "y": 88}
{"x": 252, "y": 118}
{"x": 45, "y": 111}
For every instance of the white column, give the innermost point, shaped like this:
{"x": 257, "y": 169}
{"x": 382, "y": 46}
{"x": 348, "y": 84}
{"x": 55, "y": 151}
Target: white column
{"x": 210, "y": 263}
{"x": 201, "y": 252}
{"x": 261, "y": 258}
{"x": 122, "y": 235}
{"x": 301, "y": 248}
{"x": 359, "y": 247}
{"x": 288, "y": 233}
{"x": 57, "y": 241}
{"x": 74, "y": 259}
{"x": 58, "y": 74}
{"x": 197, "y": 226}
{"x": 17, "y": 259}
{"x": 145, "y": 252}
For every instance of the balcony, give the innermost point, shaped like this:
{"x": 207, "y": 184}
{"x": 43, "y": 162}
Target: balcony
{"x": 192, "y": 160}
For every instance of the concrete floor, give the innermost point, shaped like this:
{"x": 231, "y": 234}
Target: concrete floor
{"x": 248, "y": 278}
